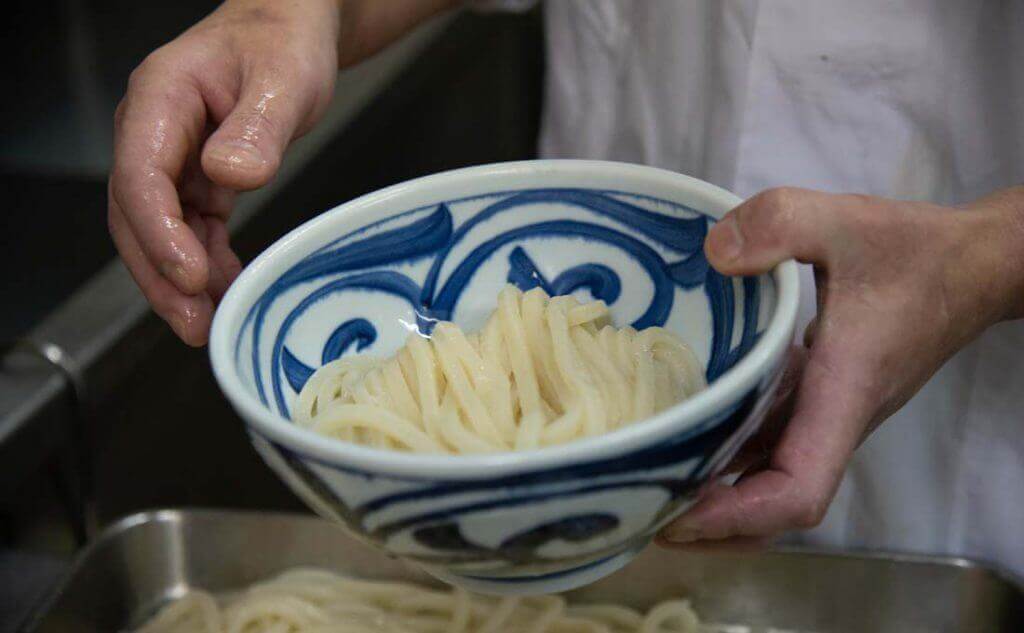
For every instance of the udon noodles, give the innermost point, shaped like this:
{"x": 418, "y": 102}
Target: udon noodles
{"x": 543, "y": 371}
{"x": 316, "y": 601}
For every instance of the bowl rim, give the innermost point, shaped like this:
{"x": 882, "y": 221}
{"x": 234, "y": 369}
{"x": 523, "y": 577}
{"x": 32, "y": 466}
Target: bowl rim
{"x": 725, "y": 390}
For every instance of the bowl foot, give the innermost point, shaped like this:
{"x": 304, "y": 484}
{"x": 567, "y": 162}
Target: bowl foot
{"x": 554, "y": 582}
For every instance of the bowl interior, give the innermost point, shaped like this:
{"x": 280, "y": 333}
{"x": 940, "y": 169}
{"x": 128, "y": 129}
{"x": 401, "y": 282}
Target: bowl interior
{"x": 362, "y": 277}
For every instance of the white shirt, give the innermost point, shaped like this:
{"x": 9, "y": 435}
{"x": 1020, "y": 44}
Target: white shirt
{"x": 916, "y": 99}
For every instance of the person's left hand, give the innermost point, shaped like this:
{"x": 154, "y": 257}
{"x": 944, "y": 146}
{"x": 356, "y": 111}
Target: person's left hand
{"x": 901, "y": 287}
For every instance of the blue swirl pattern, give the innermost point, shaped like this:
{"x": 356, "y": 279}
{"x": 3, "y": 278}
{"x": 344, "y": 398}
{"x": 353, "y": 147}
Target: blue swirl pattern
{"x": 367, "y": 264}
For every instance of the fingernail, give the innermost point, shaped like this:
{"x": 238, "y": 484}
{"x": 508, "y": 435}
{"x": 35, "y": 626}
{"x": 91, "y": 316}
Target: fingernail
{"x": 174, "y": 273}
{"x": 682, "y": 531}
{"x": 238, "y": 154}
{"x": 725, "y": 240}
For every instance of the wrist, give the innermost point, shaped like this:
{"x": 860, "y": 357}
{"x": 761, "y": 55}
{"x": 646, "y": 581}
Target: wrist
{"x": 318, "y": 22}
{"x": 999, "y": 242}
{"x": 1015, "y": 254}
{"x": 368, "y": 26}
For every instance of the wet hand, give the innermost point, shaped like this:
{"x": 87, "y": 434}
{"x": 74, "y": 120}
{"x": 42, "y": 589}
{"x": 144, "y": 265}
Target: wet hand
{"x": 205, "y": 116}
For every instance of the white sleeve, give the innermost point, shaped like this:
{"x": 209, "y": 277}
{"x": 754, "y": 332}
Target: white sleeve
{"x": 501, "y": 5}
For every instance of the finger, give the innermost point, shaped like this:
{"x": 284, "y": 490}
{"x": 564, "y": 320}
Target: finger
{"x": 157, "y": 123}
{"x": 207, "y": 207}
{"x": 774, "y": 226}
{"x": 205, "y": 196}
{"x": 218, "y": 245}
{"x": 220, "y": 248}
{"x": 820, "y": 298}
{"x": 188, "y": 315}
{"x": 217, "y": 284}
{"x": 833, "y": 406}
{"x": 756, "y": 452}
{"x": 246, "y": 150}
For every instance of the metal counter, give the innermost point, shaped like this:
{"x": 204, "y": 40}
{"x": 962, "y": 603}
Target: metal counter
{"x": 147, "y": 559}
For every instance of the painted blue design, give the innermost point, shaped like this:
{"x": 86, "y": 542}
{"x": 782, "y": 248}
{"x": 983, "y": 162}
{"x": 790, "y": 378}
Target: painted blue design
{"x": 602, "y": 282}
{"x": 684, "y": 235}
{"x": 674, "y": 486}
{"x": 295, "y": 371}
{"x": 434, "y": 235}
{"x": 575, "y": 529}
{"x": 417, "y": 239}
{"x": 386, "y": 281}
{"x": 448, "y": 537}
{"x": 359, "y": 331}
{"x": 648, "y": 259}
{"x": 691, "y": 271}
{"x": 751, "y": 307}
{"x": 524, "y": 273}
{"x": 413, "y": 240}
{"x": 719, "y": 290}
{"x": 720, "y": 297}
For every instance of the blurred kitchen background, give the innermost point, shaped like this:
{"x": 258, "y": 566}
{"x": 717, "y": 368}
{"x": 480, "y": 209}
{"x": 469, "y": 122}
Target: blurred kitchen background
{"x": 102, "y": 411}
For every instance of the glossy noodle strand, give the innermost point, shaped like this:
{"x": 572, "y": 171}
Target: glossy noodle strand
{"x": 543, "y": 371}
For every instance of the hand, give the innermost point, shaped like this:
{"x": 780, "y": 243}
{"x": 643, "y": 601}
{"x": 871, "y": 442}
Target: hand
{"x": 901, "y": 287}
{"x": 206, "y": 115}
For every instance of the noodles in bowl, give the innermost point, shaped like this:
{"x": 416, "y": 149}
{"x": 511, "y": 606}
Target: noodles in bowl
{"x": 543, "y": 371}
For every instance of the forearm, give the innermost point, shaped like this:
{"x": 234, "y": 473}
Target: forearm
{"x": 368, "y": 26}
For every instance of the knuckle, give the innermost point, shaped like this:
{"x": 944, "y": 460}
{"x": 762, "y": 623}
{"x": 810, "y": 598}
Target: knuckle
{"x": 152, "y": 63}
{"x": 259, "y": 118}
{"x": 303, "y": 70}
{"x": 137, "y": 76}
{"x": 301, "y": 74}
{"x": 776, "y": 207}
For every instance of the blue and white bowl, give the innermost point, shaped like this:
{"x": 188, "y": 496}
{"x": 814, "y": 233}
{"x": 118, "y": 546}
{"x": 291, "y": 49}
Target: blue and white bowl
{"x": 360, "y": 277}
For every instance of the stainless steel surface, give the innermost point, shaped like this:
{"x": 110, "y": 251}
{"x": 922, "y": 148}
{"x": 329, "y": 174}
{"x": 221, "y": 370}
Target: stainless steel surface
{"x": 147, "y": 559}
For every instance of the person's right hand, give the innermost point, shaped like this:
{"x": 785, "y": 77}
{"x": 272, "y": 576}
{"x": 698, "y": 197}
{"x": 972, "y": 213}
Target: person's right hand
{"x": 205, "y": 116}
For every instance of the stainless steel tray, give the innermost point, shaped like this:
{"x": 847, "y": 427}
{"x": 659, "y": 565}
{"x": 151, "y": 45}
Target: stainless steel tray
{"x": 149, "y": 558}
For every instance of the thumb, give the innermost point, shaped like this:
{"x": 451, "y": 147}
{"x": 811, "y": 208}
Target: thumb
{"x": 246, "y": 149}
{"x": 771, "y": 227}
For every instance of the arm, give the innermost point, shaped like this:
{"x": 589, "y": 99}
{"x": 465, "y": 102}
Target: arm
{"x": 211, "y": 113}
{"x": 367, "y": 26}
{"x": 902, "y": 286}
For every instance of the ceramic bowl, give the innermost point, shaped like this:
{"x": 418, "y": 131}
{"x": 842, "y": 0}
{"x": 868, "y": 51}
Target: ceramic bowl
{"x": 360, "y": 277}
